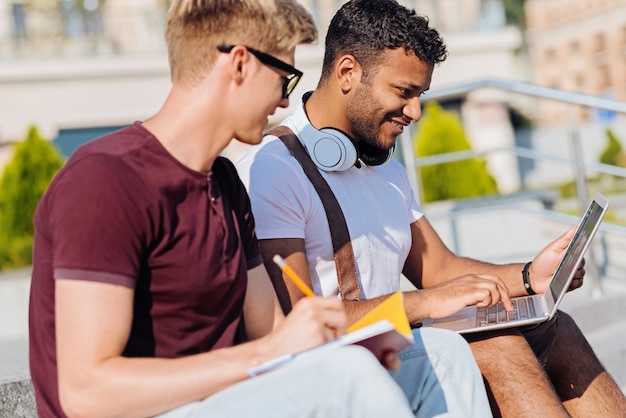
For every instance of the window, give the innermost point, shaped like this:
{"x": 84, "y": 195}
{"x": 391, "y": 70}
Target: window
{"x": 69, "y": 139}
{"x": 599, "y": 42}
{"x": 81, "y": 18}
{"x": 18, "y": 11}
{"x": 604, "y": 77}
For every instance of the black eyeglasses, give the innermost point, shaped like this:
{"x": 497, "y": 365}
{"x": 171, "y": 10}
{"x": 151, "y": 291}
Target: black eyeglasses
{"x": 291, "y": 81}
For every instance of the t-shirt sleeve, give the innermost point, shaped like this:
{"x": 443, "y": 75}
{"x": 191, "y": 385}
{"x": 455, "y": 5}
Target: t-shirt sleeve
{"x": 98, "y": 221}
{"x": 278, "y": 195}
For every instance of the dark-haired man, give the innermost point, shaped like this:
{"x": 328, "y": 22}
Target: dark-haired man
{"x": 379, "y": 59}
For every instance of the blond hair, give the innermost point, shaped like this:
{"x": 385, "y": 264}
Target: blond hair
{"x": 196, "y": 27}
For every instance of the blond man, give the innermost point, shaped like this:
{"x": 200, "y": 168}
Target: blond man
{"x": 149, "y": 296}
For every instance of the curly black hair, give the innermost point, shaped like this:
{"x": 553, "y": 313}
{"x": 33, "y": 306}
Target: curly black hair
{"x": 365, "y": 28}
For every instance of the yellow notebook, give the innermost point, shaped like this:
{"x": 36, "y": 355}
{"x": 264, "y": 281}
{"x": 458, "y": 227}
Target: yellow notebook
{"x": 385, "y": 328}
{"x": 390, "y": 309}
{"x": 389, "y": 318}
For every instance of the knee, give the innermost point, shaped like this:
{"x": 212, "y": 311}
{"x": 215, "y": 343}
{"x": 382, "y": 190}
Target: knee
{"x": 569, "y": 338}
{"x": 567, "y": 325}
{"x": 357, "y": 372}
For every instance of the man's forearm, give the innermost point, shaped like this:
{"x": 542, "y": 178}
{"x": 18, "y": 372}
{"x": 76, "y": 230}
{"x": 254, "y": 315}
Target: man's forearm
{"x": 149, "y": 386}
{"x": 414, "y": 310}
{"x": 356, "y": 309}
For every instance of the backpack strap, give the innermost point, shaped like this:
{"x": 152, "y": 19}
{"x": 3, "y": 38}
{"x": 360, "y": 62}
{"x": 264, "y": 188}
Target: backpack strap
{"x": 340, "y": 236}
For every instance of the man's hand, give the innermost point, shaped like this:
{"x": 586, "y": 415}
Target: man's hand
{"x": 578, "y": 277}
{"x": 546, "y": 262}
{"x": 315, "y": 321}
{"x": 312, "y": 322}
{"x": 472, "y": 289}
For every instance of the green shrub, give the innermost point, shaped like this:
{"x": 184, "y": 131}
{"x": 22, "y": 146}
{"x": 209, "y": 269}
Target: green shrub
{"x": 16, "y": 252}
{"x": 441, "y": 132}
{"x": 23, "y": 182}
{"x": 613, "y": 153}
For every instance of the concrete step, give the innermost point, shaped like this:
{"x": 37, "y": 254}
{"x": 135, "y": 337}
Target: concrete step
{"x": 13, "y": 360}
{"x": 17, "y": 399}
{"x": 14, "y": 293}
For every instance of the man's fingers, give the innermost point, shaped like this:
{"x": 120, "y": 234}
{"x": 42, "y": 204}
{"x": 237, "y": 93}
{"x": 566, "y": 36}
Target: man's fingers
{"x": 576, "y": 283}
{"x": 495, "y": 279}
{"x": 563, "y": 241}
{"x": 506, "y": 300}
{"x": 498, "y": 291}
{"x": 328, "y": 312}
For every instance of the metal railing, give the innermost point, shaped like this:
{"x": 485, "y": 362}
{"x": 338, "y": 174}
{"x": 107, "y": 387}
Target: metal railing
{"x": 574, "y": 159}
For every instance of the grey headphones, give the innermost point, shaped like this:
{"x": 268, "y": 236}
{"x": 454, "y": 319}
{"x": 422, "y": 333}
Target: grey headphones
{"x": 333, "y": 150}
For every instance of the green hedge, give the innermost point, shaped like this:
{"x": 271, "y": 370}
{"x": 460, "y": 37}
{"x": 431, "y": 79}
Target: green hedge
{"x": 612, "y": 153}
{"x": 441, "y": 132}
{"x": 24, "y": 180}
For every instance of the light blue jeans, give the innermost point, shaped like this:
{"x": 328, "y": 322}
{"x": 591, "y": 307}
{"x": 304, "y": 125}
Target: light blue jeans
{"x": 336, "y": 383}
{"x": 440, "y": 378}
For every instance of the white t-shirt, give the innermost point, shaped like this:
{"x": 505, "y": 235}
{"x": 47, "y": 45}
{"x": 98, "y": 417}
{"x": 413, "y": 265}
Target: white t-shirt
{"x": 377, "y": 202}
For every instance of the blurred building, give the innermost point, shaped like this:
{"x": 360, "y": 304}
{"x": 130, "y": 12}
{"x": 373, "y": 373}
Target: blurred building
{"x": 577, "y": 45}
{"x": 80, "y": 68}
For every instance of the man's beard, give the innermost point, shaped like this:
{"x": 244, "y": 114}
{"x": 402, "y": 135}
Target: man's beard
{"x": 363, "y": 114}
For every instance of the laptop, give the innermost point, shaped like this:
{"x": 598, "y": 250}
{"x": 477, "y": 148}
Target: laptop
{"x": 535, "y": 308}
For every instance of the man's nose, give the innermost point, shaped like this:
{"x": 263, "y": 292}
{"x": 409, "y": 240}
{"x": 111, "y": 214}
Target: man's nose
{"x": 413, "y": 109}
{"x": 284, "y": 102}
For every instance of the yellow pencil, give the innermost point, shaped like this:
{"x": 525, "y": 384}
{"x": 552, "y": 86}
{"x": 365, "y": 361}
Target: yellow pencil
{"x": 292, "y": 275}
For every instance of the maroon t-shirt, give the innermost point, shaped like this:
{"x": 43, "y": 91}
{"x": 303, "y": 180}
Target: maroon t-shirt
{"x": 124, "y": 211}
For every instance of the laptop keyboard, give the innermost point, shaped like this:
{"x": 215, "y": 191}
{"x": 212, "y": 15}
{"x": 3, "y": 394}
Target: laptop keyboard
{"x": 523, "y": 308}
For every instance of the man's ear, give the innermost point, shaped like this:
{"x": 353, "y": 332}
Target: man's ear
{"x": 238, "y": 63}
{"x": 348, "y": 73}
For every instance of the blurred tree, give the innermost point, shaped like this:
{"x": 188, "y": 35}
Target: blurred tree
{"x": 24, "y": 180}
{"x": 441, "y": 132}
{"x": 514, "y": 12}
{"x": 613, "y": 153}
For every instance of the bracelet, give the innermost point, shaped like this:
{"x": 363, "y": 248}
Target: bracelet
{"x": 526, "y": 279}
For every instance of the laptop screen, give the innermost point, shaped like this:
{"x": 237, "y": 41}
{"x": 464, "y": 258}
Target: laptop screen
{"x": 577, "y": 247}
